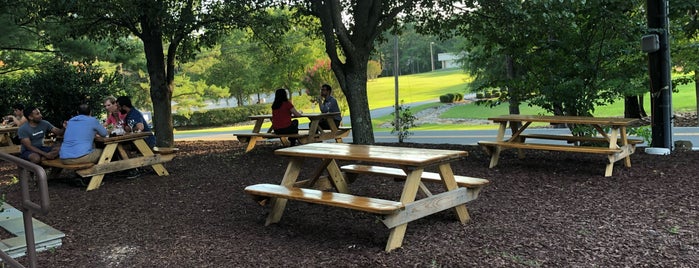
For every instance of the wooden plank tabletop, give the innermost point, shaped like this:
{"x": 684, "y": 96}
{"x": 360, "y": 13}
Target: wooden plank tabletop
{"x": 125, "y": 137}
{"x": 4, "y": 130}
{"x": 586, "y": 120}
{"x": 417, "y": 157}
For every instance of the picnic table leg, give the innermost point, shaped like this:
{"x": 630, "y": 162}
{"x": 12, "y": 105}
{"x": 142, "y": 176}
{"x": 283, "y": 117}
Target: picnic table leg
{"x": 336, "y": 177}
{"x": 495, "y": 153}
{"x": 412, "y": 182}
{"x": 625, "y": 143}
{"x": 278, "y": 204}
{"x": 450, "y": 183}
{"x": 106, "y": 157}
{"x": 146, "y": 151}
{"x": 251, "y": 143}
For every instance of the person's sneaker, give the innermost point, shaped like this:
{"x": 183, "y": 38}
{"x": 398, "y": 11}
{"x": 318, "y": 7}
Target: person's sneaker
{"x": 133, "y": 173}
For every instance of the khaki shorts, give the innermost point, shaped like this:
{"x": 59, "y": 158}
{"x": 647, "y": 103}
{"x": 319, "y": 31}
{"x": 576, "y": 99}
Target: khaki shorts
{"x": 92, "y": 157}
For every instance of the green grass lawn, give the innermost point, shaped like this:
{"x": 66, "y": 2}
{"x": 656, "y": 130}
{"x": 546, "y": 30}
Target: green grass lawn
{"x": 416, "y": 88}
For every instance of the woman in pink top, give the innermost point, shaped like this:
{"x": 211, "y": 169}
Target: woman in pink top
{"x": 114, "y": 117}
{"x": 282, "y": 110}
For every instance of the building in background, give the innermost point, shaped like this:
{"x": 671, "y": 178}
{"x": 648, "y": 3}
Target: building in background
{"x": 450, "y": 60}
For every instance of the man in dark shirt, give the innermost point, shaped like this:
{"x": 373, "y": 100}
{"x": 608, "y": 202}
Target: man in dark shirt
{"x": 134, "y": 118}
{"x": 328, "y": 104}
{"x": 32, "y": 134}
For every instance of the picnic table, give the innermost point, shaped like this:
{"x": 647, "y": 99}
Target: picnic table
{"x": 396, "y": 214}
{"x": 107, "y": 164}
{"x": 616, "y": 145}
{"x": 5, "y": 135}
{"x": 312, "y": 134}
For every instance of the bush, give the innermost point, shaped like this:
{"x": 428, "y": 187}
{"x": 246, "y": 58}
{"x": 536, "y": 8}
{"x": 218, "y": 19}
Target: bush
{"x": 459, "y": 96}
{"x": 480, "y": 95}
{"x": 444, "y": 99}
{"x": 220, "y": 117}
{"x": 59, "y": 88}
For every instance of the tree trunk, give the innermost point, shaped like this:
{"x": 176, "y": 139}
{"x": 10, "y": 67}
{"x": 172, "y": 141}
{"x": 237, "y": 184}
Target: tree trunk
{"x": 355, "y": 90}
{"x": 632, "y": 107}
{"x": 514, "y": 100}
{"x": 160, "y": 87}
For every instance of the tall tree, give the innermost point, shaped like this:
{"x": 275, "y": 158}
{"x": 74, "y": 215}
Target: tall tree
{"x": 170, "y": 30}
{"x": 565, "y": 56}
{"x": 350, "y": 29}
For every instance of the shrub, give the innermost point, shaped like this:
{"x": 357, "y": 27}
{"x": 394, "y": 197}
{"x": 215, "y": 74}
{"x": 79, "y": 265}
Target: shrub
{"x": 480, "y": 95}
{"x": 406, "y": 120}
{"x": 459, "y": 96}
{"x": 444, "y": 99}
{"x": 220, "y": 117}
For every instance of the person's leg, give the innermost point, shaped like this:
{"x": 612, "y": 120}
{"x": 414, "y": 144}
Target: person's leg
{"x": 295, "y": 130}
{"x": 34, "y": 157}
{"x": 92, "y": 157}
{"x": 323, "y": 124}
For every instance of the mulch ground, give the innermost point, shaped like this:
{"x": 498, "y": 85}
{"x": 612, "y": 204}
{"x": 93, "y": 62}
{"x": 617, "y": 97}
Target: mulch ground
{"x": 550, "y": 209}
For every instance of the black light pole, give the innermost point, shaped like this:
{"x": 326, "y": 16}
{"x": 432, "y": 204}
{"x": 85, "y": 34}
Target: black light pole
{"x": 659, "y": 69}
{"x": 396, "y": 70}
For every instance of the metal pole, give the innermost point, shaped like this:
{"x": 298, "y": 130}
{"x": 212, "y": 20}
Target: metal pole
{"x": 432, "y": 56}
{"x": 396, "y": 70}
{"x": 659, "y": 68}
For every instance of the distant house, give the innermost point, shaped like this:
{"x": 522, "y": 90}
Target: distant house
{"x": 450, "y": 60}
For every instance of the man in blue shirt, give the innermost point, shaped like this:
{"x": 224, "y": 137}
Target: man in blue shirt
{"x": 328, "y": 104}
{"x": 135, "y": 117}
{"x": 78, "y": 140}
{"x": 32, "y": 134}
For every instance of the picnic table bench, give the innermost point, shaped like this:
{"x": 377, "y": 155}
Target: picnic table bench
{"x": 616, "y": 145}
{"x": 395, "y": 214}
{"x": 312, "y": 134}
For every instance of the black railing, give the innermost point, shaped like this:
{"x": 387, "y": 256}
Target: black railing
{"x": 27, "y": 171}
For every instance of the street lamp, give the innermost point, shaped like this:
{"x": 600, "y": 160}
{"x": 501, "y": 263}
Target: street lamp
{"x": 432, "y": 56}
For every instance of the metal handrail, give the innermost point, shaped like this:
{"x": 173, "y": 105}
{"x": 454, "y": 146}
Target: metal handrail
{"x": 27, "y": 170}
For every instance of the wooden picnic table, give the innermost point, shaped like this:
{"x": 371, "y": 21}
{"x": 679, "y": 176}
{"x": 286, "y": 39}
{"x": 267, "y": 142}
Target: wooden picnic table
{"x": 6, "y": 135}
{"x": 313, "y": 134}
{"x": 145, "y": 157}
{"x": 618, "y": 145}
{"x": 396, "y": 214}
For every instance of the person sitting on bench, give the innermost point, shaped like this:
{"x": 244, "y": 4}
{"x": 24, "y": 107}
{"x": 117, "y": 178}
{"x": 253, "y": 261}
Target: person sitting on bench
{"x": 328, "y": 104}
{"x": 32, "y": 136}
{"x": 282, "y": 110}
{"x": 78, "y": 140}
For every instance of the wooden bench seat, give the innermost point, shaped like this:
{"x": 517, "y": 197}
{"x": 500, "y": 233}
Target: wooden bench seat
{"x": 463, "y": 181}
{"x": 58, "y": 164}
{"x": 551, "y": 147}
{"x": 367, "y": 204}
{"x": 572, "y": 138}
{"x": 12, "y": 149}
{"x": 165, "y": 150}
